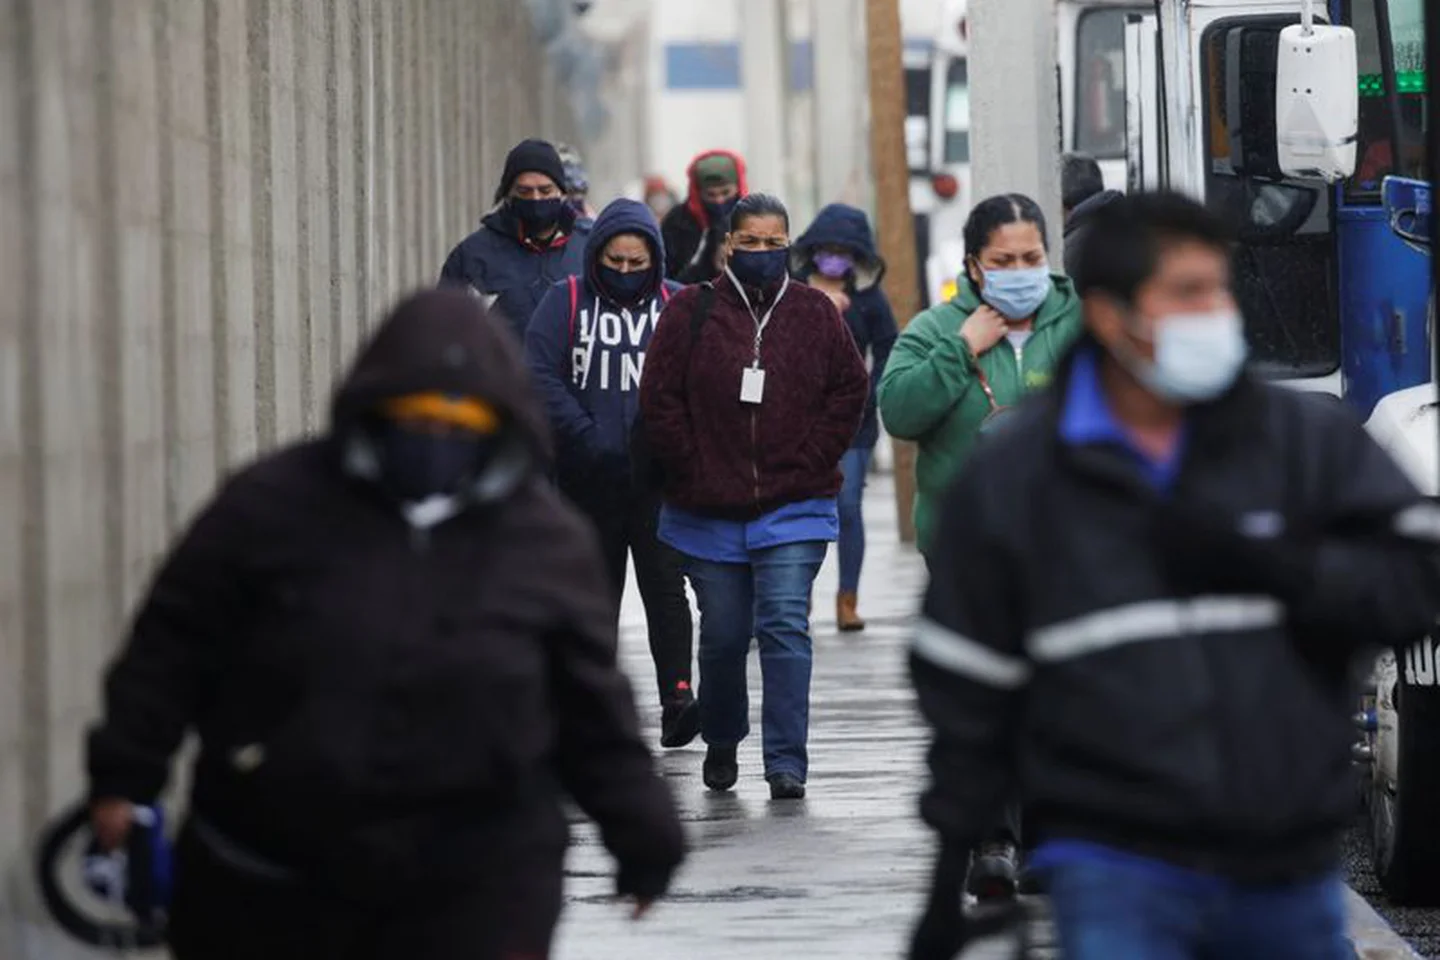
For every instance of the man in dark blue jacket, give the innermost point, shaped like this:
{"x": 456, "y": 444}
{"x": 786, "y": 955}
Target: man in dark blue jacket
{"x": 837, "y": 255}
{"x": 530, "y": 240}
{"x": 586, "y": 349}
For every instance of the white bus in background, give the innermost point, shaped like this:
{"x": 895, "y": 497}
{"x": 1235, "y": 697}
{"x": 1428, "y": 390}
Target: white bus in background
{"x": 1091, "y": 50}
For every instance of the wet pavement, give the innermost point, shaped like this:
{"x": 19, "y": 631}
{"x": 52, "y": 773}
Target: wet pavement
{"x": 837, "y": 875}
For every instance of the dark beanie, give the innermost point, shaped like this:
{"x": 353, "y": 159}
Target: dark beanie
{"x": 531, "y": 156}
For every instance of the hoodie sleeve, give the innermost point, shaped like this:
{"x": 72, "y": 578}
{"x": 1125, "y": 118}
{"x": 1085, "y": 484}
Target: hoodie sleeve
{"x": 604, "y": 763}
{"x": 155, "y": 688}
{"x": 547, "y": 354}
{"x": 663, "y": 402}
{"x": 926, "y": 375}
{"x": 846, "y": 392}
{"x": 453, "y": 273}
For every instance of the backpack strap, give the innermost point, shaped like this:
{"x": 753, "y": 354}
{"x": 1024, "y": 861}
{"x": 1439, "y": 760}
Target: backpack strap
{"x": 664, "y": 292}
{"x": 573, "y": 282}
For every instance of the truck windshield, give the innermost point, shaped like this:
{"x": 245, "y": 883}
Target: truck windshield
{"x": 1384, "y": 111}
{"x": 1285, "y": 271}
{"x": 957, "y": 112}
{"x": 917, "y": 118}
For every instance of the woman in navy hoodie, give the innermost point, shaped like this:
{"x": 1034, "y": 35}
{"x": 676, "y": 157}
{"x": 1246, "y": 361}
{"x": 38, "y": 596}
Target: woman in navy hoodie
{"x": 837, "y": 256}
{"x": 585, "y": 347}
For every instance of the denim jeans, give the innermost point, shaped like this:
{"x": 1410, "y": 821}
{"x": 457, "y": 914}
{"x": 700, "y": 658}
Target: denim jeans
{"x": 768, "y": 599}
{"x": 854, "y": 465}
{"x": 1113, "y": 910}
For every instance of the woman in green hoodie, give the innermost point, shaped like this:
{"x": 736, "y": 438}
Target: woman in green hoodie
{"x": 999, "y": 338}
{"x": 954, "y": 365}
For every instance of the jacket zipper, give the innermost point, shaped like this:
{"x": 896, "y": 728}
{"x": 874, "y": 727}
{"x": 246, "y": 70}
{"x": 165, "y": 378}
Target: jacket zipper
{"x": 755, "y": 434}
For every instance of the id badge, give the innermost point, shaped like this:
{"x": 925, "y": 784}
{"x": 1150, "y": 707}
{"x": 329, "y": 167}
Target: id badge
{"x": 752, "y": 385}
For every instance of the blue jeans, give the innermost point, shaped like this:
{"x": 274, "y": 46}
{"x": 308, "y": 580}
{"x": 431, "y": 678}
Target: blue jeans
{"x": 1114, "y": 911}
{"x": 853, "y": 466}
{"x": 768, "y": 599}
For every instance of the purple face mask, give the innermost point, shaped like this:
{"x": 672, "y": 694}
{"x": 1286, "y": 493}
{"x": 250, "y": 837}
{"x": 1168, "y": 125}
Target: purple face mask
{"x": 834, "y": 265}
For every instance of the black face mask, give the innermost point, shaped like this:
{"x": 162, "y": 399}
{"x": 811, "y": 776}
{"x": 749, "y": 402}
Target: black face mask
{"x": 415, "y": 465}
{"x": 623, "y": 287}
{"x": 537, "y": 215}
{"x": 761, "y": 269}
{"x": 721, "y": 211}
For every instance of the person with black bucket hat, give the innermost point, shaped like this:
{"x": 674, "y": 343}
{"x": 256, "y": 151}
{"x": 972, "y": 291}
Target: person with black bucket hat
{"x": 397, "y": 647}
{"x": 530, "y": 240}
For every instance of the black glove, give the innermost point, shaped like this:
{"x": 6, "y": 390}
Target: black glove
{"x": 1203, "y": 549}
{"x": 645, "y": 882}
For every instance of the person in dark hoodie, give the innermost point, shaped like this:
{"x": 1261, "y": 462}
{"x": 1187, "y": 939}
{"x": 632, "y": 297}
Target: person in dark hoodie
{"x": 585, "y": 349}
{"x": 695, "y": 230}
{"x": 837, "y": 256}
{"x": 397, "y": 647}
{"x": 1082, "y": 194}
{"x": 531, "y": 239}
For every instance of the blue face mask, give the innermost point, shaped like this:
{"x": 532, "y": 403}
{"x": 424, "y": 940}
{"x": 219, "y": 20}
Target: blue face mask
{"x": 723, "y": 209}
{"x": 760, "y": 268}
{"x": 1017, "y": 294}
{"x": 624, "y": 287}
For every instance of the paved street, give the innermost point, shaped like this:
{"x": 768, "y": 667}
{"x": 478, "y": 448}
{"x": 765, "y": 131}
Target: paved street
{"x": 840, "y": 874}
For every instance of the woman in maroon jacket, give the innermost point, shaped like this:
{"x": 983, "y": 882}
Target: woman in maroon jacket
{"x": 752, "y": 392}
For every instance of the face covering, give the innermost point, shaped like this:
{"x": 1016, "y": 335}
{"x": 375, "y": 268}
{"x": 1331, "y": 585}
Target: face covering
{"x": 834, "y": 265}
{"x": 625, "y": 287}
{"x": 759, "y": 268}
{"x": 1017, "y": 294}
{"x": 723, "y": 209}
{"x": 1197, "y": 356}
{"x": 415, "y": 466}
{"x": 537, "y": 215}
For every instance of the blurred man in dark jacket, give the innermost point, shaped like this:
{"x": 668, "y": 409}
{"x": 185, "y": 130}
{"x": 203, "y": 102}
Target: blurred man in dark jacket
{"x": 1082, "y": 193}
{"x": 1149, "y": 591}
{"x": 396, "y": 645}
{"x": 531, "y": 239}
{"x": 695, "y": 230}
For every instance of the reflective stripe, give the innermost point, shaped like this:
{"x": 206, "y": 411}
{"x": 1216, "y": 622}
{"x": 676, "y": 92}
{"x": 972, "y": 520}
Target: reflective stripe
{"x": 950, "y": 651}
{"x": 1153, "y": 620}
{"x": 1420, "y": 521}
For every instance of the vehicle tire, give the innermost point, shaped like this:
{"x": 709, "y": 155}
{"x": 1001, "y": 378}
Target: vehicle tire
{"x": 1405, "y": 808}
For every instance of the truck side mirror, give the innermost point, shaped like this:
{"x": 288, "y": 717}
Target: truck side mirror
{"x": 1317, "y": 102}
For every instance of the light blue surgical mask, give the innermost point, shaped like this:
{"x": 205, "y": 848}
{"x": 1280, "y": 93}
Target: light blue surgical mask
{"x": 1017, "y": 294}
{"x": 1197, "y": 356}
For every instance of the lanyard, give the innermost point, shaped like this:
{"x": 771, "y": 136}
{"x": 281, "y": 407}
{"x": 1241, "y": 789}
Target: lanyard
{"x": 760, "y": 322}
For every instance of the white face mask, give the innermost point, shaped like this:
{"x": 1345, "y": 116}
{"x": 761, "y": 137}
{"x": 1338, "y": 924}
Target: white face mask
{"x": 1198, "y": 356}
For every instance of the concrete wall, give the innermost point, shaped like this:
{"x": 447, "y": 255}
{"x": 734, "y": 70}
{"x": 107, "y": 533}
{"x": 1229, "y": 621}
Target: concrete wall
{"x": 205, "y": 204}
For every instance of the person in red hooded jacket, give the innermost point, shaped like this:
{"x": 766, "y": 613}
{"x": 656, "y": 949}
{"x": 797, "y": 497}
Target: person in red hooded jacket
{"x": 694, "y": 231}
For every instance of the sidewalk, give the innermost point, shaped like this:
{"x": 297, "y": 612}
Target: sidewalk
{"x": 840, "y": 874}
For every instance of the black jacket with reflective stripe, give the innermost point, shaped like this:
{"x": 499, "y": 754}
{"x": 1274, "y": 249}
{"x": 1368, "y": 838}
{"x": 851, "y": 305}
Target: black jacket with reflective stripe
{"x": 1209, "y": 729}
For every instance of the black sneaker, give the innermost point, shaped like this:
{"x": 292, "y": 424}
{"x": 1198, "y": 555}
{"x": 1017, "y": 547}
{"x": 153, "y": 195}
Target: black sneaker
{"x": 993, "y": 872}
{"x": 679, "y": 718}
{"x": 786, "y": 786}
{"x": 721, "y": 769}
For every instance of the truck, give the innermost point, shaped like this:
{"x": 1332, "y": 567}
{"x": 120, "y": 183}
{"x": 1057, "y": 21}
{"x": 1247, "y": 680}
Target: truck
{"x": 1334, "y": 279}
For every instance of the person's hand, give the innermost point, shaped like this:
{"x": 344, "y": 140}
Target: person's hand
{"x": 983, "y": 329}
{"x": 111, "y": 820}
{"x": 642, "y": 886}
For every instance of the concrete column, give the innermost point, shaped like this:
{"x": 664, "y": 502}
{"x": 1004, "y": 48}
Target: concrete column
{"x": 840, "y": 108}
{"x": 1014, "y": 104}
{"x": 762, "y": 67}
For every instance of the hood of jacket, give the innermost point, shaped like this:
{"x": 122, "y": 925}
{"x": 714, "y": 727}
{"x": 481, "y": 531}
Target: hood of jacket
{"x": 1081, "y": 216}
{"x": 1058, "y": 305}
{"x": 625, "y": 216}
{"x": 444, "y": 341}
{"x": 693, "y": 200}
{"x": 840, "y": 225}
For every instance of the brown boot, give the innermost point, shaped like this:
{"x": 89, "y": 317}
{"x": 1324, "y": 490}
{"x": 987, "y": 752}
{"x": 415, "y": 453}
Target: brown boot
{"x": 845, "y": 615}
